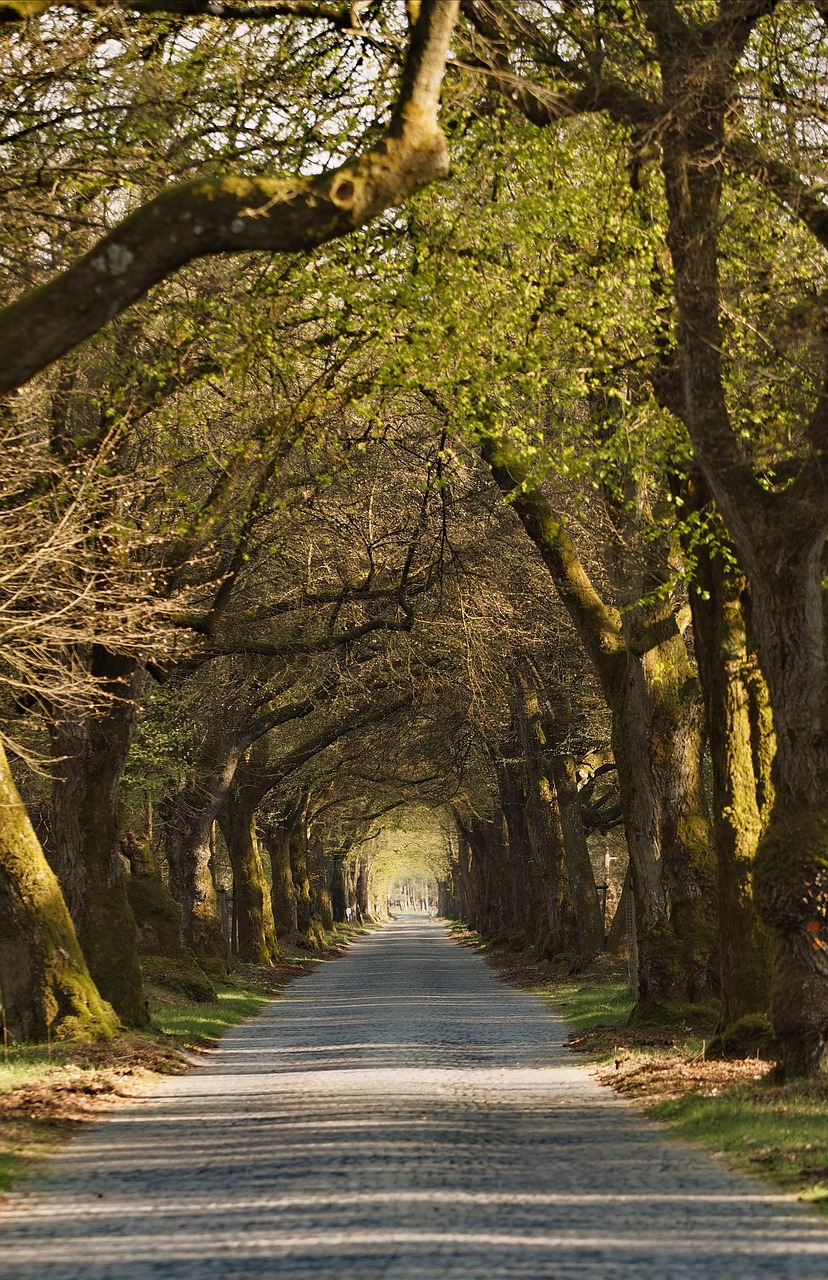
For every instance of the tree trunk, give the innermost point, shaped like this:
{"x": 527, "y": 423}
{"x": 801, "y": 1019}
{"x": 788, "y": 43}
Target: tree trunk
{"x": 791, "y": 865}
{"x": 657, "y": 743}
{"x": 582, "y": 891}
{"x": 90, "y": 753}
{"x": 46, "y": 986}
{"x": 645, "y": 673}
{"x": 276, "y": 840}
{"x": 188, "y": 816}
{"x": 780, "y": 538}
{"x": 306, "y": 926}
{"x": 321, "y": 905}
{"x": 729, "y": 681}
{"x": 256, "y": 928}
{"x": 338, "y": 892}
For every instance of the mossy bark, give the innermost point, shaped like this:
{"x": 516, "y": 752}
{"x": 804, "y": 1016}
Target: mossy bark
{"x": 339, "y": 901}
{"x": 256, "y": 929}
{"x": 90, "y": 754}
{"x": 46, "y": 986}
{"x": 157, "y": 914}
{"x": 165, "y": 957}
{"x": 737, "y": 724}
{"x": 645, "y": 673}
{"x": 657, "y": 743}
{"x": 276, "y": 841}
{"x": 307, "y": 924}
{"x": 187, "y": 817}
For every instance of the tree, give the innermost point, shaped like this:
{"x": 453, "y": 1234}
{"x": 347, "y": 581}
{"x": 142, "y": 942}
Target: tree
{"x": 235, "y": 213}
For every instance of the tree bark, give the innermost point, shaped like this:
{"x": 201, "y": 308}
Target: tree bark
{"x": 188, "y": 816}
{"x": 582, "y": 891}
{"x": 730, "y": 682}
{"x": 256, "y": 929}
{"x": 90, "y": 753}
{"x": 655, "y": 703}
{"x": 46, "y": 986}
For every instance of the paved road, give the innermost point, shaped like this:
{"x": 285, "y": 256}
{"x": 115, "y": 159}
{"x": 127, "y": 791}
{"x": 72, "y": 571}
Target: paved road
{"x": 401, "y": 1116}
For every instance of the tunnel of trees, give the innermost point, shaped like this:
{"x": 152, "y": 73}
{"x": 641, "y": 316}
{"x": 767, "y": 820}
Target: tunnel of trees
{"x": 412, "y": 481}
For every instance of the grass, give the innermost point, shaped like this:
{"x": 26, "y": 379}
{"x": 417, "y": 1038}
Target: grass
{"x": 733, "y": 1108}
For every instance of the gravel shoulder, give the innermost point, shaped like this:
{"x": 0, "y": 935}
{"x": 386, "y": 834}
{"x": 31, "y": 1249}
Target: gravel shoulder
{"x": 399, "y": 1114}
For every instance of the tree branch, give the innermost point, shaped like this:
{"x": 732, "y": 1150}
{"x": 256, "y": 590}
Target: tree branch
{"x": 340, "y": 16}
{"x": 234, "y": 213}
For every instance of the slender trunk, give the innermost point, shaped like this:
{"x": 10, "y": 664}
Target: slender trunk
{"x": 255, "y": 926}
{"x": 46, "y": 987}
{"x": 583, "y": 894}
{"x": 276, "y": 840}
{"x": 90, "y": 753}
{"x": 321, "y": 904}
{"x": 338, "y": 891}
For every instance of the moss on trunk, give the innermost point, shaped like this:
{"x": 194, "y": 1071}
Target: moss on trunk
{"x": 791, "y": 885}
{"x": 90, "y": 752}
{"x": 46, "y": 985}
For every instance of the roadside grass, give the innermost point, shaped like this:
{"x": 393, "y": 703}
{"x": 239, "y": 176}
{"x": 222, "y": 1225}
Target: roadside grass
{"x": 46, "y": 1090}
{"x": 732, "y": 1107}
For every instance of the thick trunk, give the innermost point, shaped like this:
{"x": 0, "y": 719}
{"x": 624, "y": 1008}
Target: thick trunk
{"x": 188, "y": 816}
{"x": 307, "y": 925}
{"x": 157, "y": 914}
{"x": 338, "y": 891}
{"x": 46, "y": 987}
{"x": 467, "y": 880}
{"x": 255, "y": 926}
{"x": 730, "y": 683}
{"x": 519, "y": 926}
{"x": 583, "y": 894}
{"x": 779, "y": 539}
{"x": 791, "y": 866}
{"x": 90, "y": 753}
{"x": 363, "y": 874}
{"x": 657, "y": 743}
{"x": 645, "y": 674}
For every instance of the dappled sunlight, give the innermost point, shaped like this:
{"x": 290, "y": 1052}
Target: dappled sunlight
{"x": 368, "y": 1128}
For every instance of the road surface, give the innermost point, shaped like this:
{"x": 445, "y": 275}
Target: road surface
{"x": 403, "y": 1115}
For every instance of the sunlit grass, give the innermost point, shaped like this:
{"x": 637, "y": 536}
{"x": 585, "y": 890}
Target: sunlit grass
{"x": 777, "y": 1131}
{"x": 204, "y": 1024}
{"x": 597, "y": 996}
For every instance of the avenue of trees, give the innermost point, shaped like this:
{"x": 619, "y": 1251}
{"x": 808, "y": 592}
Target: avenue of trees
{"x": 415, "y": 412}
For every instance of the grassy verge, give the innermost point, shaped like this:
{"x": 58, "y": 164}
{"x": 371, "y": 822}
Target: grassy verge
{"x": 778, "y": 1131}
{"x": 46, "y": 1090}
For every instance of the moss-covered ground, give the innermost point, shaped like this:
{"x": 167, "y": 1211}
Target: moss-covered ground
{"x": 46, "y": 1090}
{"x": 732, "y": 1107}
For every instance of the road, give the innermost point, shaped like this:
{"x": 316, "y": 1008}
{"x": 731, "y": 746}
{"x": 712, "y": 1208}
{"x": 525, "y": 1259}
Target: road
{"x": 403, "y": 1115}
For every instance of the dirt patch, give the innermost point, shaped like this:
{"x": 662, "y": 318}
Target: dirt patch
{"x": 649, "y": 1078}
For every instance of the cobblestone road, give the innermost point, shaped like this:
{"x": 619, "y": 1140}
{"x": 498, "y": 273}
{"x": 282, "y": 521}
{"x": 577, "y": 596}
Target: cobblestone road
{"x": 401, "y": 1115}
